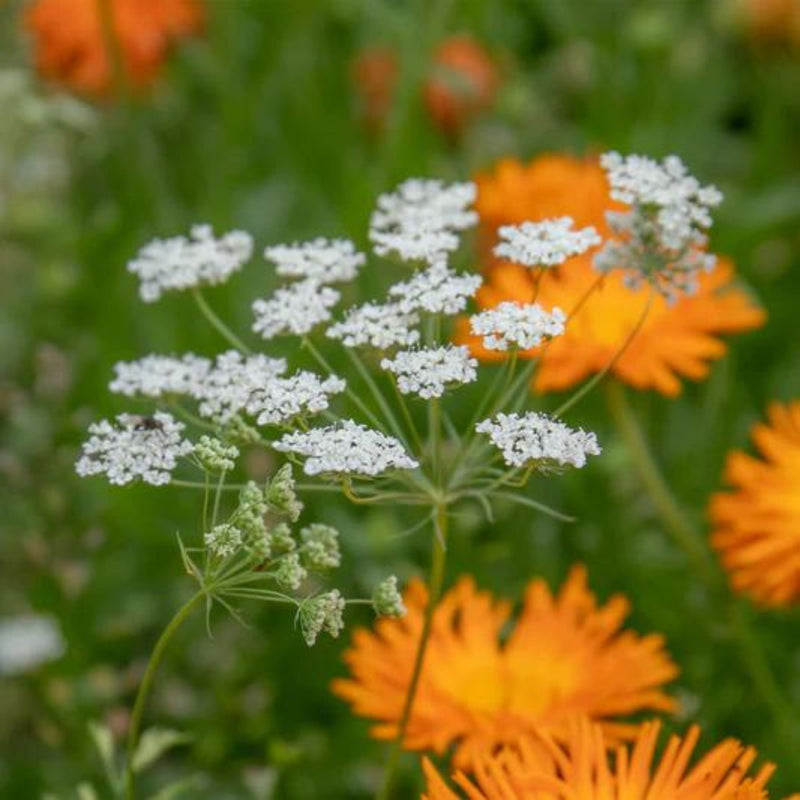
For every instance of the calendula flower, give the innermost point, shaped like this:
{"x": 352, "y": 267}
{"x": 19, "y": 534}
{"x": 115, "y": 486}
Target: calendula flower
{"x": 323, "y": 260}
{"x": 771, "y": 21}
{"x": 429, "y": 372}
{"x": 482, "y": 686}
{"x": 72, "y": 47}
{"x": 674, "y": 341}
{"x": 581, "y": 768}
{"x": 756, "y": 525}
{"x": 181, "y": 263}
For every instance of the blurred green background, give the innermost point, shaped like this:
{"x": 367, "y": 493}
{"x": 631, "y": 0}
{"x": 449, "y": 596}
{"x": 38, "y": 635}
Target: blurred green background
{"x": 256, "y": 124}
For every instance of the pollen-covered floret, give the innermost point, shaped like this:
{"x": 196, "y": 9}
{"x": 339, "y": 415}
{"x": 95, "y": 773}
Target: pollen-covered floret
{"x": 322, "y": 260}
{"x": 428, "y": 373}
{"x": 281, "y": 399}
{"x": 420, "y": 220}
{"x": 155, "y": 376}
{"x": 534, "y": 439}
{"x": 437, "y": 290}
{"x": 375, "y": 325}
{"x": 346, "y": 448}
{"x": 512, "y": 324}
{"x": 181, "y": 263}
{"x": 230, "y": 383}
{"x": 544, "y": 244}
{"x": 136, "y": 447}
{"x": 294, "y": 309}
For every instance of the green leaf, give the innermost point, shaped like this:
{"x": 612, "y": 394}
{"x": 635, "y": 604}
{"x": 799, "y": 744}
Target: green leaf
{"x": 104, "y": 744}
{"x": 154, "y": 743}
{"x": 176, "y": 789}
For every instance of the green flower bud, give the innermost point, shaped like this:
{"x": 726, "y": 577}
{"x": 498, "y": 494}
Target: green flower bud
{"x": 387, "y": 600}
{"x": 320, "y": 547}
{"x": 214, "y": 455}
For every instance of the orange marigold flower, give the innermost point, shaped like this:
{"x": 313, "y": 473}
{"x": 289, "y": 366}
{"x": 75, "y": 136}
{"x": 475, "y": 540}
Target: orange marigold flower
{"x": 773, "y": 20}
{"x": 461, "y": 83}
{"x": 675, "y": 341}
{"x": 71, "y": 45}
{"x": 565, "y": 656}
{"x": 757, "y": 525}
{"x": 581, "y": 769}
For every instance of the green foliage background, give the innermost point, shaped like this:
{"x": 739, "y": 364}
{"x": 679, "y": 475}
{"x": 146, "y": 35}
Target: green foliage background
{"x": 255, "y": 125}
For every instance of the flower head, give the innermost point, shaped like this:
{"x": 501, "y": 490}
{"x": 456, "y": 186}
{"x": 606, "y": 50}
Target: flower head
{"x": 294, "y": 309}
{"x": 580, "y": 768}
{"x": 155, "y": 376}
{"x": 323, "y": 260}
{"x": 146, "y": 448}
{"x": 437, "y": 290}
{"x": 71, "y": 47}
{"x": 345, "y": 449}
{"x": 480, "y": 688}
{"x": 376, "y": 325}
{"x": 325, "y": 612}
{"x": 387, "y": 600}
{"x": 428, "y": 373}
{"x": 544, "y": 244}
{"x": 756, "y": 525}
{"x": 180, "y": 263}
{"x": 519, "y": 325}
{"x": 535, "y": 439}
{"x": 281, "y": 399}
{"x": 421, "y": 219}
{"x": 674, "y": 341}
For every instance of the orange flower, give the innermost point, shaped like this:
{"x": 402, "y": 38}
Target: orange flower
{"x": 581, "y": 770}
{"x": 757, "y": 526}
{"x": 71, "y": 44}
{"x": 461, "y": 83}
{"x": 565, "y": 656}
{"x": 675, "y": 341}
{"x": 773, "y": 20}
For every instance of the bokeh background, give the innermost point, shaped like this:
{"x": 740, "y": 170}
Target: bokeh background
{"x": 260, "y": 122}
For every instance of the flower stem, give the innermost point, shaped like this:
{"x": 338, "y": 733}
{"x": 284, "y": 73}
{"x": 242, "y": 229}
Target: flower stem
{"x": 435, "y": 583}
{"x": 147, "y": 683}
{"x": 218, "y": 324}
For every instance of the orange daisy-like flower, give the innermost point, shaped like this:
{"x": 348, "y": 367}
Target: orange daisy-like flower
{"x": 565, "y": 656}
{"x": 674, "y": 341}
{"x": 71, "y": 44}
{"x": 580, "y": 769}
{"x": 773, "y": 20}
{"x": 757, "y": 526}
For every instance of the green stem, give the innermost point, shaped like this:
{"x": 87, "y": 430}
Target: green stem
{"x": 146, "y": 685}
{"x": 218, "y": 324}
{"x": 435, "y": 583}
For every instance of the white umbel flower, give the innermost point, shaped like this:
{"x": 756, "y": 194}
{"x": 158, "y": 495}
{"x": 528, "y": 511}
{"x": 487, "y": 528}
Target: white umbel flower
{"x": 27, "y": 641}
{"x": 512, "y": 324}
{"x": 280, "y": 400}
{"x": 437, "y": 290}
{"x": 536, "y": 439}
{"x": 146, "y": 448}
{"x": 376, "y": 325}
{"x": 181, "y": 263}
{"x": 231, "y": 382}
{"x": 346, "y": 449}
{"x": 661, "y": 239}
{"x": 420, "y": 220}
{"x": 294, "y": 309}
{"x": 544, "y": 244}
{"x": 155, "y": 376}
{"x": 325, "y": 612}
{"x": 428, "y": 373}
{"x": 322, "y": 260}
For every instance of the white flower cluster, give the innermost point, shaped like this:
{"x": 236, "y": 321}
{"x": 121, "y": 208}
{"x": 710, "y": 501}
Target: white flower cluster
{"x": 544, "y": 244}
{"x": 181, "y": 263}
{"x": 223, "y": 540}
{"x": 233, "y": 379}
{"x": 27, "y": 641}
{"x": 346, "y": 448}
{"x": 155, "y": 376}
{"x": 511, "y": 324}
{"x": 136, "y": 447}
{"x": 387, "y": 600}
{"x": 281, "y": 399}
{"x": 375, "y": 325}
{"x": 322, "y": 260}
{"x": 325, "y": 612}
{"x": 437, "y": 290}
{"x": 661, "y": 239}
{"x": 428, "y": 373}
{"x": 421, "y": 219}
{"x": 535, "y": 439}
{"x": 294, "y": 309}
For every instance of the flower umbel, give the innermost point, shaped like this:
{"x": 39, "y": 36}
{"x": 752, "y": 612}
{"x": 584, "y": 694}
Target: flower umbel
{"x": 544, "y": 244}
{"x": 427, "y": 373}
{"x": 322, "y": 260}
